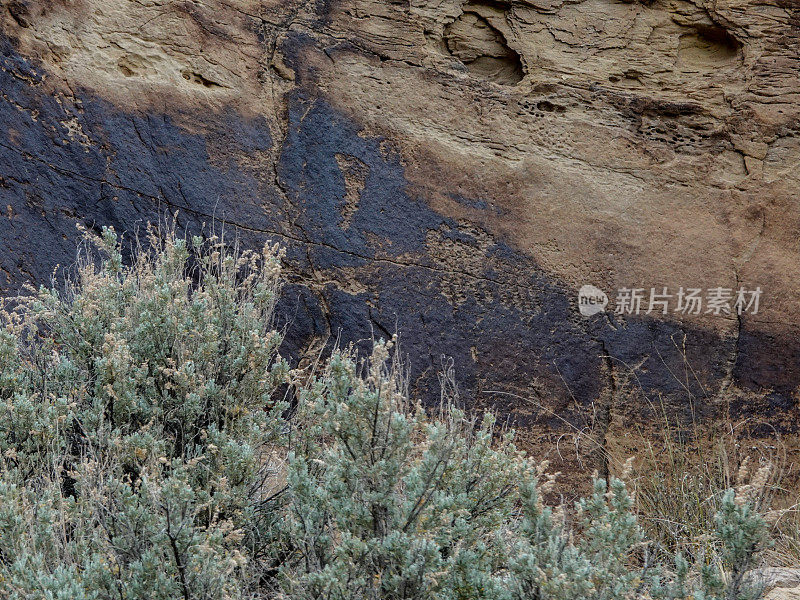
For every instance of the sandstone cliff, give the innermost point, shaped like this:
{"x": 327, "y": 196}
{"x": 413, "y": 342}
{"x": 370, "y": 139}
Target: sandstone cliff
{"x": 454, "y": 169}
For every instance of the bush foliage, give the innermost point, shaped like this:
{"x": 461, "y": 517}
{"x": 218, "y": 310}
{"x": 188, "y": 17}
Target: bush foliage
{"x": 148, "y": 451}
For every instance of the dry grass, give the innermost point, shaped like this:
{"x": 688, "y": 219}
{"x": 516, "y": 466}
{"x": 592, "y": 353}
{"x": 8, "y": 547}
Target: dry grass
{"x": 682, "y": 471}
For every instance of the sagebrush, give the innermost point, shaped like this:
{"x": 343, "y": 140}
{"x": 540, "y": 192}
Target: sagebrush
{"x": 155, "y": 445}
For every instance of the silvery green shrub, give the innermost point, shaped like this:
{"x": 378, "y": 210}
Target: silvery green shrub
{"x": 740, "y": 533}
{"x": 146, "y": 453}
{"x": 388, "y": 503}
{"x": 138, "y": 420}
{"x": 550, "y": 562}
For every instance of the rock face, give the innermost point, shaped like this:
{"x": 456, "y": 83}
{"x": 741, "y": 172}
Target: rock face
{"x": 452, "y": 169}
{"x": 779, "y": 583}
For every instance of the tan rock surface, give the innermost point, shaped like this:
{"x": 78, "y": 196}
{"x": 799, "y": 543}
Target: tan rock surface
{"x": 783, "y": 594}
